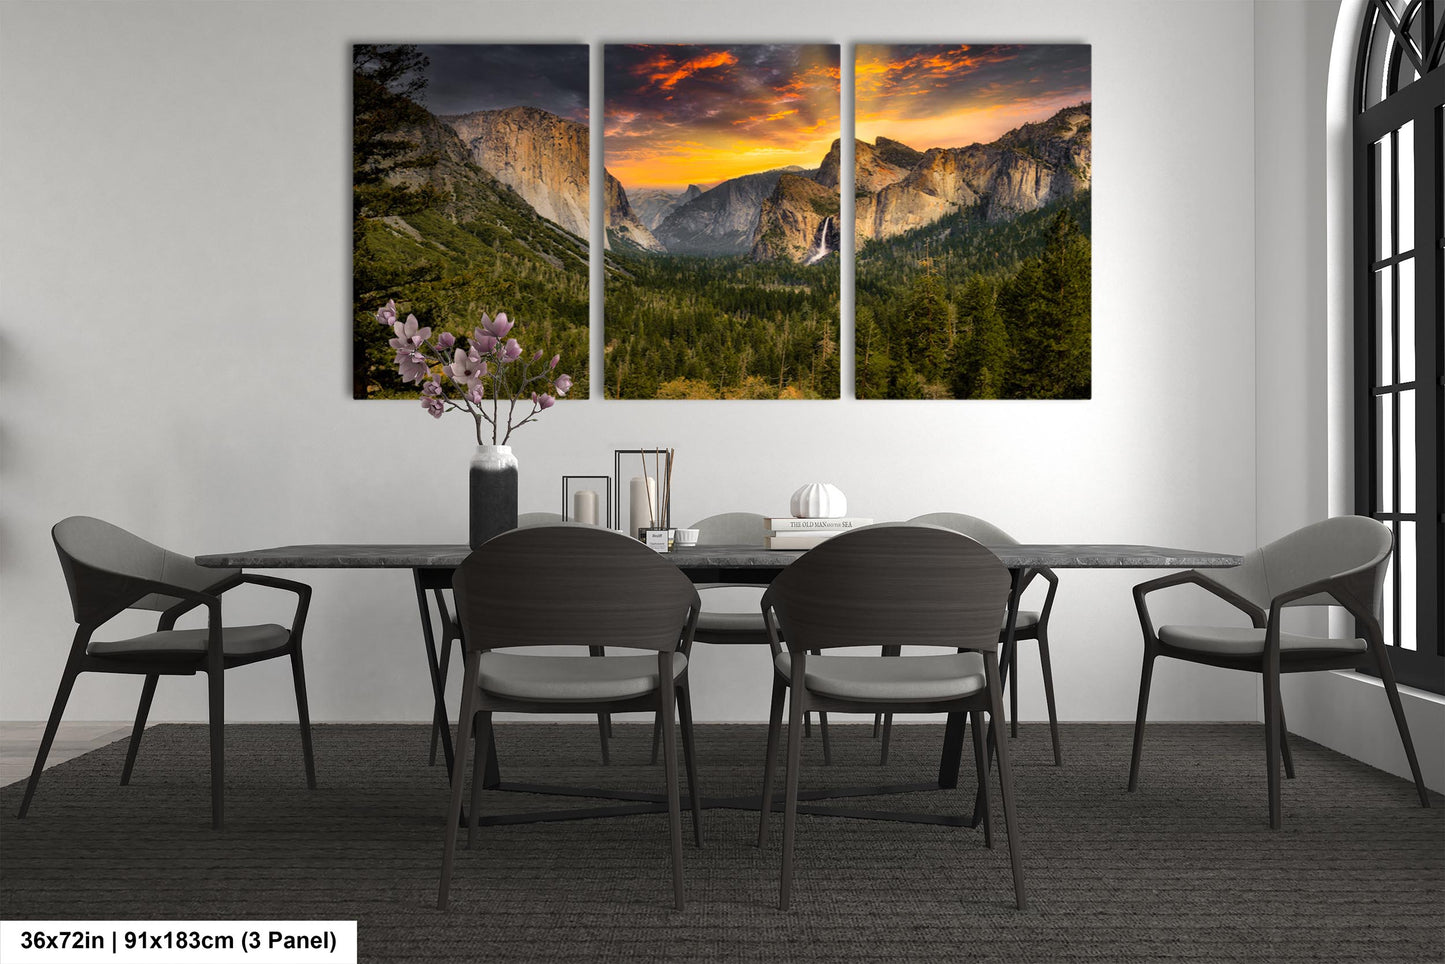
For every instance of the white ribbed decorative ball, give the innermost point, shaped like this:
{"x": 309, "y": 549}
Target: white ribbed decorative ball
{"x": 819, "y": 500}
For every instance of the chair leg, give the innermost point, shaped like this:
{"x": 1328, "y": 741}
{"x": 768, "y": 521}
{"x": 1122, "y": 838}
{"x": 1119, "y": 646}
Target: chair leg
{"x": 790, "y": 783}
{"x": 1271, "y": 739}
{"x": 689, "y": 759}
{"x": 1392, "y": 692}
{"x": 459, "y": 769}
{"x": 1048, "y": 671}
{"x": 303, "y": 716}
{"x": 827, "y": 745}
{"x": 877, "y": 724}
{"x": 57, "y": 710}
{"x": 980, "y": 756}
{"x": 1005, "y": 784}
{"x": 667, "y": 693}
{"x": 1145, "y": 678}
{"x": 775, "y": 725}
{"x": 604, "y": 720}
{"x": 1013, "y": 690}
{"x": 482, "y": 733}
{"x": 887, "y": 740}
{"x": 216, "y": 684}
{"x": 147, "y": 693}
{"x": 1284, "y": 744}
{"x": 656, "y": 737}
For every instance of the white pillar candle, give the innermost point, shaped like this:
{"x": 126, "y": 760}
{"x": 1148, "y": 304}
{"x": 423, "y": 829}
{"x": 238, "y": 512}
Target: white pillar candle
{"x": 584, "y": 507}
{"x": 643, "y": 504}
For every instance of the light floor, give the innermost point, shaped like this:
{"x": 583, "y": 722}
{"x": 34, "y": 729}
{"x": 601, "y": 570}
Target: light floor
{"x": 20, "y": 741}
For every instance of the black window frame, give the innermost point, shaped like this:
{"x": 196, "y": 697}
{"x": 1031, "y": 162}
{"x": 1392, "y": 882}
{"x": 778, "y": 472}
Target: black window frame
{"x": 1397, "y": 41}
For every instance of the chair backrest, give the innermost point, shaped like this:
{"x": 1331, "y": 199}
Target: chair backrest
{"x": 892, "y": 585}
{"x": 731, "y": 529}
{"x": 972, "y": 526}
{"x": 101, "y": 560}
{"x": 569, "y": 586}
{"x": 1329, "y": 548}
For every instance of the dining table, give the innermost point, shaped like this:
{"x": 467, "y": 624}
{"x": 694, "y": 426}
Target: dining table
{"x": 432, "y": 566}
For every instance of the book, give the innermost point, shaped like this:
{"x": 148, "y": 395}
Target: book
{"x": 789, "y": 524}
{"x": 799, "y": 540}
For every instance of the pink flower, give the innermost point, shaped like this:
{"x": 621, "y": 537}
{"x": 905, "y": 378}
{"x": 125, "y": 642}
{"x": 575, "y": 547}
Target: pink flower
{"x": 466, "y": 369}
{"x": 477, "y": 394}
{"x": 432, "y": 388}
{"x": 543, "y": 402}
{"x": 538, "y": 355}
{"x": 498, "y": 326}
{"x": 410, "y": 335}
{"x": 554, "y": 361}
{"x": 433, "y": 405}
{"x": 447, "y": 339}
{"x": 483, "y": 342}
{"x": 511, "y": 351}
{"x": 412, "y": 365}
{"x": 564, "y": 384}
{"x": 386, "y": 314}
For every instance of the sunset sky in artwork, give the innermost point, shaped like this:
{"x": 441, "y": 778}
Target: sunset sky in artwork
{"x": 680, "y": 114}
{"x": 956, "y": 95}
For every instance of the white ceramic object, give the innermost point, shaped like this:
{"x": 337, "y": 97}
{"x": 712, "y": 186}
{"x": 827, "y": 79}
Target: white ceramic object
{"x": 686, "y": 537}
{"x": 819, "y": 500}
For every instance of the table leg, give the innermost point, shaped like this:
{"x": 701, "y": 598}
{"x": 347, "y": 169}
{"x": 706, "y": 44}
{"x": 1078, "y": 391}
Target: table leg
{"x": 428, "y": 579}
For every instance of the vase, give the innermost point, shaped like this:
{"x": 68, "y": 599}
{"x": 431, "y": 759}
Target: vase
{"x": 493, "y": 493}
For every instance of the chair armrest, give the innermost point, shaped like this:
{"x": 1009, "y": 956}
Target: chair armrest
{"x": 1052, "y": 579}
{"x": 1197, "y": 578}
{"x": 303, "y": 598}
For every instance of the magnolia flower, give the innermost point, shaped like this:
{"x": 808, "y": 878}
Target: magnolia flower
{"x": 446, "y": 339}
{"x": 544, "y": 401}
{"x": 511, "y": 351}
{"x": 483, "y": 342}
{"x": 413, "y": 365}
{"x": 564, "y": 383}
{"x": 409, "y": 335}
{"x": 433, "y": 405}
{"x": 386, "y": 314}
{"x": 477, "y": 394}
{"x": 498, "y": 326}
{"x": 467, "y": 369}
{"x": 553, "y": 363}
{"x": 433, "y": 387}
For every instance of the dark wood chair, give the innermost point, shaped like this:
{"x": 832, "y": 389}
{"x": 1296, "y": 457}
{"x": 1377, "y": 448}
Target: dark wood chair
{"x": 1030, "y": 624}
{"x": 888, "y": 585}
{"x": 730, "y": 627}
{"x": 1340, "y": 561}
{"x": 576, "y": 586}
{"x": 108, "y": 570}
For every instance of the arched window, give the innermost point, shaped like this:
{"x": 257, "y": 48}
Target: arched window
{"x": 1399, "y": 269}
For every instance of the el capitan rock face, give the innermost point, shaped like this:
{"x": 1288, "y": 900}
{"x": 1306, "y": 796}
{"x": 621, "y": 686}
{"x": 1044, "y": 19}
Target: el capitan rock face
{"x": 541, "y": 156}
{"x": 1023, "y": 170}
{"x": 623, "y": 229}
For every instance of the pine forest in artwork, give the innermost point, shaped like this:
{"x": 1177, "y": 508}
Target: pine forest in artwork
{"x": 722, "y": 273}
{"x": 972, "y": 224}
{"x": 470, "y": 195}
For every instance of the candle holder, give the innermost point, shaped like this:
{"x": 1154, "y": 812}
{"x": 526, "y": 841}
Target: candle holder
{"x": 569, "y": 492}
{"x": 655, "y": 464}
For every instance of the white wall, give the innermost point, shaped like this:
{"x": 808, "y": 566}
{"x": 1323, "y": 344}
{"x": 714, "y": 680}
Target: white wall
{"x": 174, "y": 337}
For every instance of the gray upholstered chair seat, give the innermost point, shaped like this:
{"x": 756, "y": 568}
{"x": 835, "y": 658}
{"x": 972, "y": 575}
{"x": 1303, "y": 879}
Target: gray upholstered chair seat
{"x": 552, "y": 678}
{"x": 235, "y": 641}
{"x": 1243, "y": 641}
{"x": 896, "y": 679}
{"x": 731, "y": 624}
{"x": 1026, "y": 620}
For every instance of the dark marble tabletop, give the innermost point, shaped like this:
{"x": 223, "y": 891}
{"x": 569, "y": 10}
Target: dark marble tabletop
{"x": 418, "y": 556}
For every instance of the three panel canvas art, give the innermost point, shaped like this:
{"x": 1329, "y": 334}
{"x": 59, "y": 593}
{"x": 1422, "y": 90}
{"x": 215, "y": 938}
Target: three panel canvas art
{"x": 724, "y": 229}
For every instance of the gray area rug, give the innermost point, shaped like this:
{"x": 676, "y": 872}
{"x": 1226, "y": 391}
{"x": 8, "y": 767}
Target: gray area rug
{"x": 1186, "y": 869}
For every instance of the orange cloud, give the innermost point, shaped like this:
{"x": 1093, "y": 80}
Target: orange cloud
{"x": 668, "y": 73}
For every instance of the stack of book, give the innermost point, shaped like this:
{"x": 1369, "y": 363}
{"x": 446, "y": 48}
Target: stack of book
{"x": 790, "y": 533}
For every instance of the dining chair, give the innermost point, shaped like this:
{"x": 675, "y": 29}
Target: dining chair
{"x": 1028, "y": 624}
{"x": 1341, "y": 561}
{"x": 889, "y": 585}
{"x": 732, "y": 627}
{"x": 108, "y": 571}
{"x": 574, "y": 586}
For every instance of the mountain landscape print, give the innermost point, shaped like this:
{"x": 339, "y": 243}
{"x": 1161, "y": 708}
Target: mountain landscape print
{"x": 470, "y": 194}
{"x": 721, "y": 274}
{"x": 973, "y": 167}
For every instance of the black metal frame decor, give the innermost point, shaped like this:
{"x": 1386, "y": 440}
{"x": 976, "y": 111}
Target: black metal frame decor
{"x": 567, "y": 495}
{"x": 662, "y": 467}
{"x": 1399, "y": 267}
